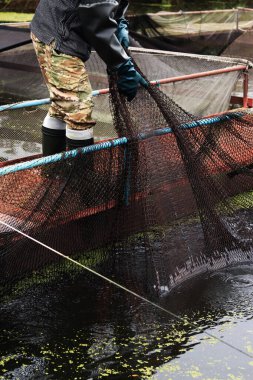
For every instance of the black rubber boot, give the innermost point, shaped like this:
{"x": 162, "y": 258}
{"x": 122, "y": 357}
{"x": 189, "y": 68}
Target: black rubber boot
{"x": 74, "y": 144}
{"x": 86, "y": 192}
{"x": 53, "y": 141}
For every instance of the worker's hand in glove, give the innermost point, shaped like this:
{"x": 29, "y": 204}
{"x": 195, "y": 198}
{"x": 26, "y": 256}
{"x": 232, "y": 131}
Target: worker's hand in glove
{"x": 122, "y": 32}
{"x": 129, "y": 80}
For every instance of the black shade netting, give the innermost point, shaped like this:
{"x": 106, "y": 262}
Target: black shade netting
{"x": 171, "y": 198}
{"x": 208, "y": 32}
{"x": 13, "y": 37}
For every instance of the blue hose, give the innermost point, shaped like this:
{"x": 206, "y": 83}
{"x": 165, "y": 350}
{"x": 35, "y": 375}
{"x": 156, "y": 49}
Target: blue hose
{"x": 111, "y": 143}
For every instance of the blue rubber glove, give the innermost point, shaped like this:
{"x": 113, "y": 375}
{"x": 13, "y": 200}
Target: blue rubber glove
{"x": 129, "y": 80}
{"x": 122, "y": 32}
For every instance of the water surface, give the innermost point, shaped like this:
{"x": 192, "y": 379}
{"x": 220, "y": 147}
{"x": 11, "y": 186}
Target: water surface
{"x": 89, "y": 330}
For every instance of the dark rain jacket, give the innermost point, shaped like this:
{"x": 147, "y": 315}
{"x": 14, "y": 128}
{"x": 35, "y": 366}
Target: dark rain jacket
{"x": 59, "y": 21}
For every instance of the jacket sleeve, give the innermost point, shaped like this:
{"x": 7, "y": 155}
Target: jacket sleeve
{"x": 121, "y": 10}
{"x": 99, "y": 27}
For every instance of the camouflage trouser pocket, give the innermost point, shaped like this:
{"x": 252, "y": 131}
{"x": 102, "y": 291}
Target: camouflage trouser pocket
{"x": 68, "y": 84}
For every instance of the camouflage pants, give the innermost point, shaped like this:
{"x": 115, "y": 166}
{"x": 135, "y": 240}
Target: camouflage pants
{"x": 68, "y": 84}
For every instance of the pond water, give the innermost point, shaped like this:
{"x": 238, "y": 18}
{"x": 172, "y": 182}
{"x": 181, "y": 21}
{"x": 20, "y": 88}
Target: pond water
{"x": 90, "y": 330}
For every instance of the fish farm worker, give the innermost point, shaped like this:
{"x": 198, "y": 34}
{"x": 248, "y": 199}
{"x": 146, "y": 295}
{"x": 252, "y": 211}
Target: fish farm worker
{"x": 63, "y": 32}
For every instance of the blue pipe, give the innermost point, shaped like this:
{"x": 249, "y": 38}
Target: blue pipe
{"x": 29, "y": 103}
{"x": 193, "y": 124}
{"x": 62, "y": 156}
{"x": 33, "y": 103}
{"x": 110, "y": 144}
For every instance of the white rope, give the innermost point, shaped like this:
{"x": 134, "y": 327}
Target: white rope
{"x": 194, "y": 324}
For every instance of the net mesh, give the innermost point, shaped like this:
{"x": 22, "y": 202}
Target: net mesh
{"x": 206, "y": 32}
{"x": 171, "y": 198}
{"x": 21, "y": 75}
{"x": 225, "y": 33}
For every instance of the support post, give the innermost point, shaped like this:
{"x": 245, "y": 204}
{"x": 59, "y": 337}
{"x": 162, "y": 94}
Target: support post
{"x": 245, "y": 88}
{"x": 237, "y": 18}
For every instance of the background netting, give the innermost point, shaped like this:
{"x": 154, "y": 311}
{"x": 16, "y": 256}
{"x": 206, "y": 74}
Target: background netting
{"x": 13, "y": 36}
{"x": 218, "y": 32}
{"x": 170, "y": 200}
{"x": 206, "y": 32}
{"x": 20, "y": 130}
{"x": 210, "y": 32}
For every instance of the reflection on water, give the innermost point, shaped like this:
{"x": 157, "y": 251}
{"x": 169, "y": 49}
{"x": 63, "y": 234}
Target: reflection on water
{"x": 20, "y": 129}
{"x": 11, "y": 149}
{"x": 89, "y": 330}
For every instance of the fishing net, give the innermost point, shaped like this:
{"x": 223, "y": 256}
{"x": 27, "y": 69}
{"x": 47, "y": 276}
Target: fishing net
{"x": 242, "y": 47}
{"x": 169, "y": 199}
{"x": 203, "y": 32}
{"x": 225, "y": 33}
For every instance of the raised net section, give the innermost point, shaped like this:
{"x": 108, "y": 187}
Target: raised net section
{"x": 242, "y": 47}
{"x": 169, "y": 199}
{"x": 22, "y": 79}
{"x": 13, "y": 36}
{"x": 20, "y": 131}
{"x": 203, "y": 32}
